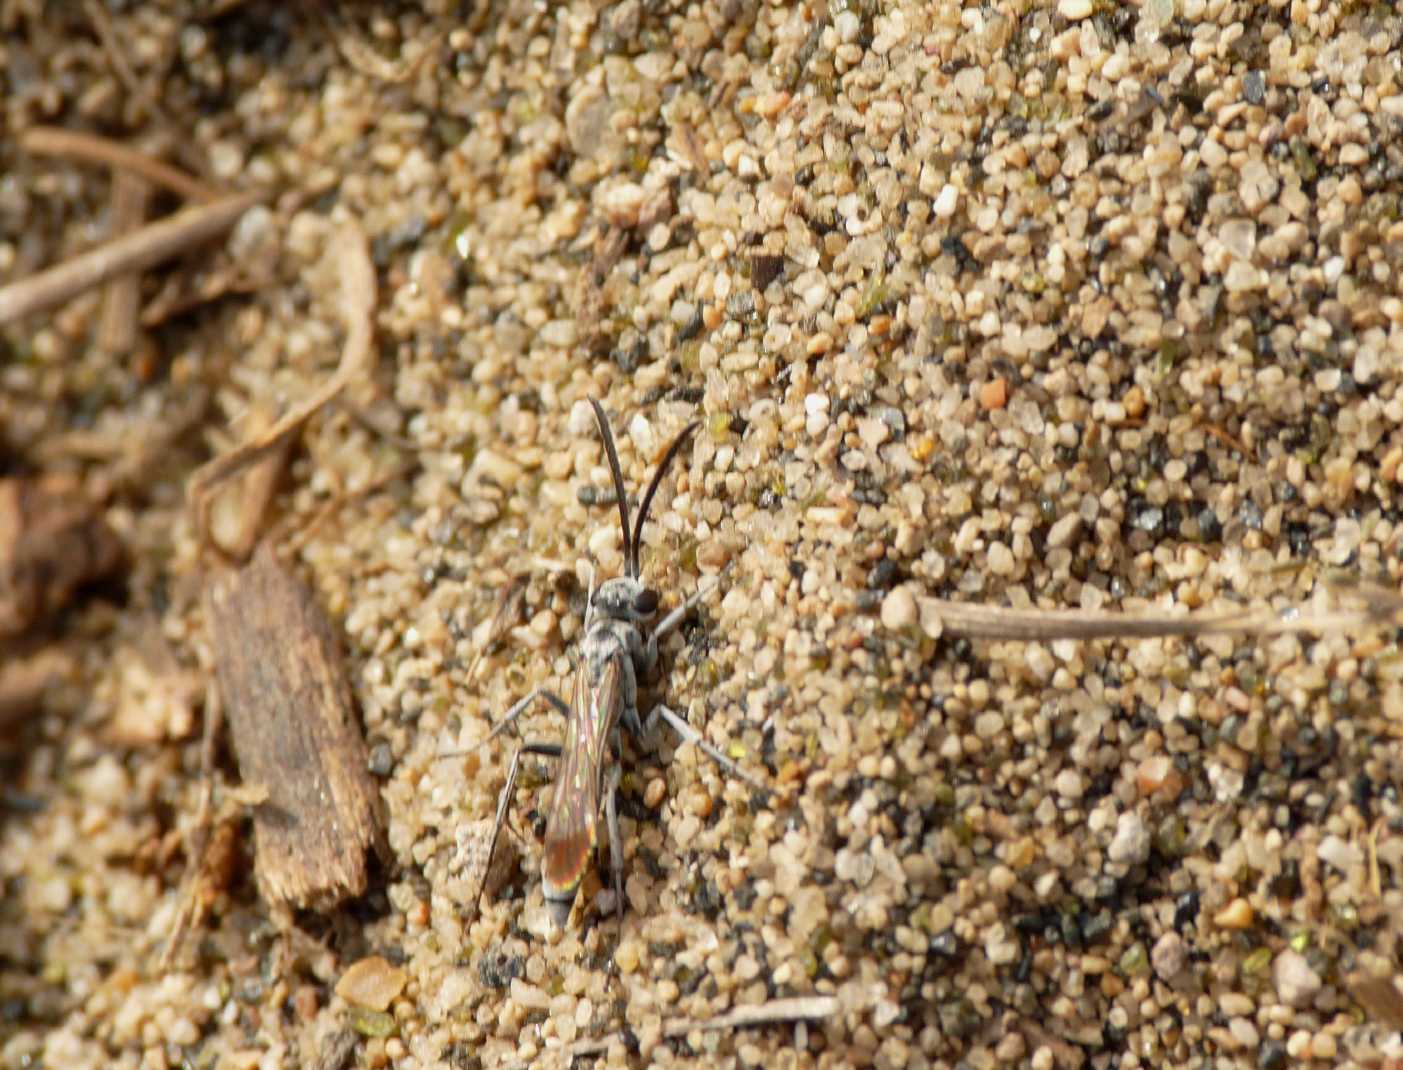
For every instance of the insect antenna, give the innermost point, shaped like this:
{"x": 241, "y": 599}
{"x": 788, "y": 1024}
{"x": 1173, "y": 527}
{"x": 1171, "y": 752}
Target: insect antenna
{"x": 630, "y": 554}
{"x": 668, "y": 457}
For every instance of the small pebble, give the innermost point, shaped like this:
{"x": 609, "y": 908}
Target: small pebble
{"x": 1339, "y": 853}
{"x": 654, "y": 794}
{"x": 1131, "y": 844}
{"x": 1169, "y": 956}
{"x": 1000, "y": 559}
{"x": 1324, "y": 1046}
{"x": 1064, "y": 531}
{"x": 1236, "y": 1004}
{"x": 945, "y": 202}
{"x": 993, "y": 395}
{"x": 1244, "y": 1032}
{"x": 1074, "y": 10}
{"x": 1296, "y": 983}
{"x": 1069, "y": 784}
{"x": 371, "y": 983}
{"x": 899, "y": 609}
{"x": 1236, "y": 915}
{"x": 1157, "y": 775}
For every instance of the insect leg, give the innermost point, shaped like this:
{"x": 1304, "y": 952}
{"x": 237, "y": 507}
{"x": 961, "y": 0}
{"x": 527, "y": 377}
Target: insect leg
{"x": 548, "y": 750}
{"x": 519, "y": 707}
{"x": 671, "y": 621}
{"x": 691, "y": 735}
{"x": 616, "y": 843}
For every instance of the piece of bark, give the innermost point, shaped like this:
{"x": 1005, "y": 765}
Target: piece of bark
{"x": 52, "y": 542}
{"x": 295, "y": 734}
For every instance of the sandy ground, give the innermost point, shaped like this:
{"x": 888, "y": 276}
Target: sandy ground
{"x": 1082, "y": 305}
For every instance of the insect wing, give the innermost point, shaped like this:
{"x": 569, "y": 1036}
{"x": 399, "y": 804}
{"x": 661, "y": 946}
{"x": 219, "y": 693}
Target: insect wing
{"x": 574, "y": 813}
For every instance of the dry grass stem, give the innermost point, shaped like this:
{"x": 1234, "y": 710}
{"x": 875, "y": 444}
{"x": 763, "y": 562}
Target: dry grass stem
{"x": 142, "y": 249}
{"x": 91, "y": 148}
{"x": 358, "y": 297}
{"x": 121, "y": 301}
{"x": 197, "y": 838}
{"x": 793, "y": 1009}
{"x": 971, "y": 621}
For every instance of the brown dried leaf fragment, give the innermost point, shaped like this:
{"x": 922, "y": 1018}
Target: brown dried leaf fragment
{"x": 52, "y": 542}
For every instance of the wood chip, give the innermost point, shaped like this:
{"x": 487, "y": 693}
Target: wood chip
{"x": 295, "y": 734}
{"x": 52, "y": 542}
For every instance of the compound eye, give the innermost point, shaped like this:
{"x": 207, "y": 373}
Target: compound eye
{"x": 646, "y": 602}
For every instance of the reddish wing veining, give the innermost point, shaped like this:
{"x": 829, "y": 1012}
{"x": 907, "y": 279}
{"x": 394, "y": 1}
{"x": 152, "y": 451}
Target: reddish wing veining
{"x": 571, "y": 826}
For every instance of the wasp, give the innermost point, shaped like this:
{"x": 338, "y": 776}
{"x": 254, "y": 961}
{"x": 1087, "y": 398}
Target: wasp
{"x": 618, "y": 648}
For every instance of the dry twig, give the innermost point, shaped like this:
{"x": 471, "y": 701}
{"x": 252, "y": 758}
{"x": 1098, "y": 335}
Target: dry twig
{"x": 143, "y": 92}
{"x": 192, "y": 903}
{"x": 236, "y": 528}
{"x": 361, "y": 56}
{"x": 940, "y": 616}
{"x": 142, "y": 249}
{"x": 121, "y": 301}
{"x": 89, "y": 148}
{"x": 358, "y": 296}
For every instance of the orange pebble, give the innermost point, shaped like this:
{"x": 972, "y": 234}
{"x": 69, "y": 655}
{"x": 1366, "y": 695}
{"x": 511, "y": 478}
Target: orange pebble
{"x": 994, "y": 395}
